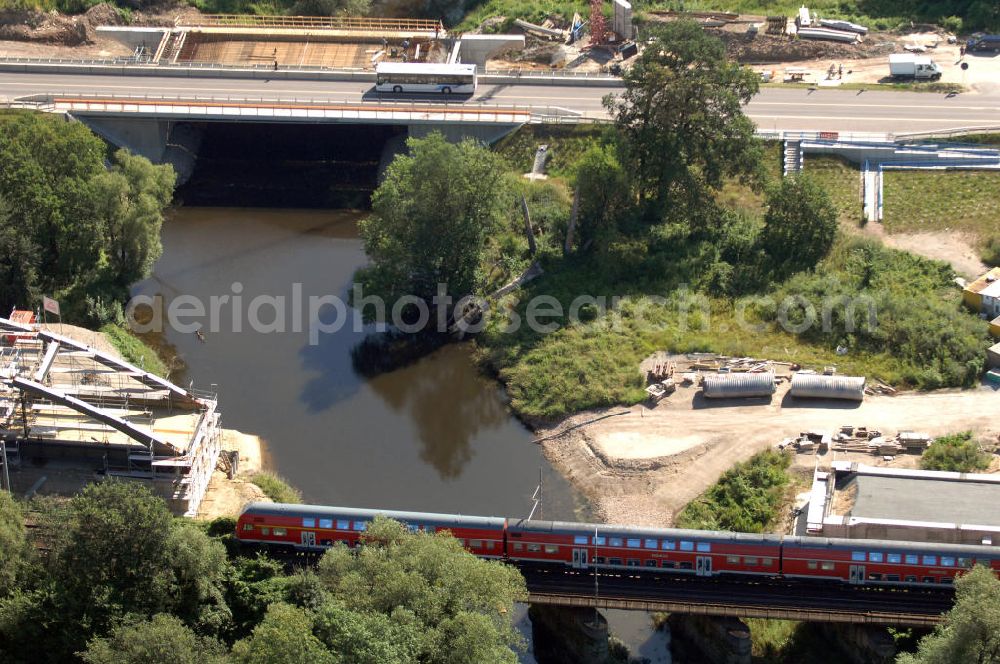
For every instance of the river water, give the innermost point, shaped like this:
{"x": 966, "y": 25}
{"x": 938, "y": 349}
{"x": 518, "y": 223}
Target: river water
{"x": 435, "y": 435}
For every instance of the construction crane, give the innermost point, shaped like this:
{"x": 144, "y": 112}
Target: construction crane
{"x": 598, "y": 27}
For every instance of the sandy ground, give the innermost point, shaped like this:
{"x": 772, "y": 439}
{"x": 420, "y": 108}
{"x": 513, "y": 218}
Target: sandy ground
{"x": 643, "y": 465}
{"x": 100, "y": 49}
{"x": 950, "y": 246}
{"x": 227, "y": 497}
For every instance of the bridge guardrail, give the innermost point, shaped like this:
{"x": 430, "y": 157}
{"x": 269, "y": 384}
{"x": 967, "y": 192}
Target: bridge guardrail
{"x": 146, "y": 66}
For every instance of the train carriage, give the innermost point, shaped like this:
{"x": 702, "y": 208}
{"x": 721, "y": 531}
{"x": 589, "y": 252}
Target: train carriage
{"x": 621, "y": 547}
{"x": 311, "y": 527}
{"x": 882, "y": 561}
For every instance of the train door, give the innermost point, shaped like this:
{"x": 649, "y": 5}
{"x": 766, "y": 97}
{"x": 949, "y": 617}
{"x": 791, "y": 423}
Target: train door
{"x": 857, "y": 574}
{"x": 580, "y": 558}
{"x": 308, "y": 538}
{"x": 703, "y": 566}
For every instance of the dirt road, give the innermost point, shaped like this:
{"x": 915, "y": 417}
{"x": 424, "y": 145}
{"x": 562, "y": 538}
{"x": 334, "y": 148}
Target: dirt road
{"x": 643, "y": 466}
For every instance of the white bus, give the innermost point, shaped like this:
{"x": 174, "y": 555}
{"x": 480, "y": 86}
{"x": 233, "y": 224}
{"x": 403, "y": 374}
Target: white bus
{"x": 421, "y": 77}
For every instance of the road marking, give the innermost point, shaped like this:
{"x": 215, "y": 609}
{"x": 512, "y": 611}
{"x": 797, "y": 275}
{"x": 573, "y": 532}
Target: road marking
{"x": 873, "y": 119}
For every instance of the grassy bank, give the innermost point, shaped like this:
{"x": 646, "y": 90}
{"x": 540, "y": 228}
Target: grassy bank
{"x": 566, "y": 144}
{"x": 276, "y": 487}
{"x": 918, "y": 201}
{"x": 133, "y": 350}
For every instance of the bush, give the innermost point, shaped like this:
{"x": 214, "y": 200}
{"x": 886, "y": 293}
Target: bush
{"x": 952, "y": 24}
{"x": 276, "y": 487}
{"x": 991, "y": 251}
{"x": 957, "y": 453}
{"x": 747, "y": 498}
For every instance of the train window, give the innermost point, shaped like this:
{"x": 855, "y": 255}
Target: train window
{"x": 687, "y": 546}
{"x": 651, "y": 544}
{"x": 911, "y": 559}
{"x": 894, "y": 558}
{"x": 551, "y": 548}
{"x": 326, "y": 542}
{"x": 614, "y": 561}
{"x": 929, "y": 560}
{"x": 766, "y": 562}
{"x": 308, "y": 523}
{"x": 359, "y": 525}
{"x": 875, "y": 556}
{"x": 489, "y": 545}
{"x": 633, "y": 543}
{"x": 650, "y": 563}
{"x": 598, "y": 560}
{"x": 616, "y": 541}
{"x": 892, "y": 577}
{"x": 476, "y": 544}
{"x": 858, "y": 556}
{"x": 247, "y": 526}
{"x": 704, "y": 547}
{"x": 518, "y": 546}
{"x": 326, "y": 523}
{"x": 686, "y": 565}
{"x": 265, "y": 531}
{"x": 812, "y": 564}
{"x": 750, "y": 561}
{"x": 668, "y": 545}
{"x": 535, "y": 547}
{"x": 343, "y": 524}
{"x": 733, "y": 560}
{"x": 600, "y": 540}
{"x": 947, "y": 561}
{"x": 928, "y": 579}
{"x": 947, "y": 579}
{"x": 965, "y": 562}
{"x": 411, "y": 527}
{"x": 667, "y": 564}
{"x": 280, "y": 532}
{"x": 874, "y": 577}
{"x": 909, "y": 578}
{"x": 633, "y": 562}
{"x": 580, "y": 539}
{"x": 826, "y": 566}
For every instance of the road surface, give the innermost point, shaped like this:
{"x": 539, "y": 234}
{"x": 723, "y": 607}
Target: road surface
{"x": 774, "y": 108}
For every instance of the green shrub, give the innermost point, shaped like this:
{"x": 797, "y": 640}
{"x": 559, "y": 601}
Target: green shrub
{"x": 991, "y": 251}
{"x": 747, "y": 498}
{"x": 957, "y": 453}
{"x": 276, "y": 487}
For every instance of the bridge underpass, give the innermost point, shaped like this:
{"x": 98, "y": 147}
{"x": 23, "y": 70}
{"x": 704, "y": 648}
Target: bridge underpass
{"x": 160, "y": 129}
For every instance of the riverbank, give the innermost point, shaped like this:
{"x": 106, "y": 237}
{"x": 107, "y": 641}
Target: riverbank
{"x": 644, "y": 464}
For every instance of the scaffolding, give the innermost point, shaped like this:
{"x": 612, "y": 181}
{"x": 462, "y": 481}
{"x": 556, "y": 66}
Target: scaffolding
{"x": 56, "y": 392}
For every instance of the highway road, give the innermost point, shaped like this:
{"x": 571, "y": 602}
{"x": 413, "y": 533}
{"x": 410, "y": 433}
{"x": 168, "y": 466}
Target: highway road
{"x": 774, "y": 108}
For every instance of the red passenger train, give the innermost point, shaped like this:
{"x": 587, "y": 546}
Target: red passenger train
{"x": 610, "y": 547}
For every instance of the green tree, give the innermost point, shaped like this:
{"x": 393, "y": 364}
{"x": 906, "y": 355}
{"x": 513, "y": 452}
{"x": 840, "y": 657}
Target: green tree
{"x": 957, "y": 453}
{"x": 47, "y": 168}
{"x": 454, "y": 605}
{"x": 800, "y": 224}
{"x": 604, "y": 197}
{"x": 164, "y": 639}
{"x": 681, "y": 118}
{"x": 284, "y": 636}
{"x": 368, "y": 637}
{"x": 970, "y": 632}
{"x": 18, "y": 261}
{"x": 431, "y": 218}
{"x": 117, "y": 551}
{"x": 129, "y": 200}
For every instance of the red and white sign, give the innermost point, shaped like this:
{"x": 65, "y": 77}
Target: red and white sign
{"x": 50, "y": 305}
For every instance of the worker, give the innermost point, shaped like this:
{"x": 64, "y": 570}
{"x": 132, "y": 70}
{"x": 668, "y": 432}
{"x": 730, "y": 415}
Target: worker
{"x": 840, "y": 71}
{"x": 275, "y": 65}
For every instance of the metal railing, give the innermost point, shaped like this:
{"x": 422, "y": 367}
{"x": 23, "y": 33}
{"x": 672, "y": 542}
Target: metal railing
{"x": 354, "y": 23}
